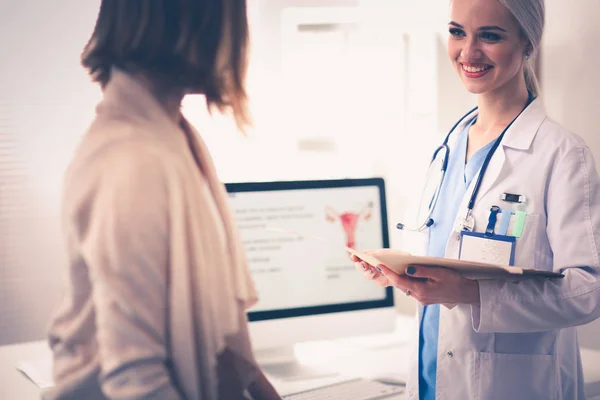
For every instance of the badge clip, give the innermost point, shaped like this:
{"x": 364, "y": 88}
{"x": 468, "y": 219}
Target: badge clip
{"x": 513, "y": 198}
{"x": 493, "y": 218}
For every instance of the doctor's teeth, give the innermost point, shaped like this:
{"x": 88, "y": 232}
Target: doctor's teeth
{"x": 474, "y": 69}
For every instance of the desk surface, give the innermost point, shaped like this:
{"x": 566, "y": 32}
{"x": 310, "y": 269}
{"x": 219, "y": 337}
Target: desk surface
{"x": 15, "y": 386}
{"x": 375, "y": 355}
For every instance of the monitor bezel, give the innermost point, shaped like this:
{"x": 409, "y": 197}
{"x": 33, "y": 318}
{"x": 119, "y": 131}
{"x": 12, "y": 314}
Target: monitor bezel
{"x": 388, "y": 301}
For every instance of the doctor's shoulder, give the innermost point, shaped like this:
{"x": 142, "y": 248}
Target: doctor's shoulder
{"x": 562, "y": 164}
{"x": 555, "y": 141}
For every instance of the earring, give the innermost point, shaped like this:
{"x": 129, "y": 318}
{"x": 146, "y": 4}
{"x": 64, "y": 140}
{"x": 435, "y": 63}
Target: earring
{"x": 527, "y": 55}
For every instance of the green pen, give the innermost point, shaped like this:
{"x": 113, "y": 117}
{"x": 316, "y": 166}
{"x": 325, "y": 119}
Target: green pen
{"x": 519, "y": 223}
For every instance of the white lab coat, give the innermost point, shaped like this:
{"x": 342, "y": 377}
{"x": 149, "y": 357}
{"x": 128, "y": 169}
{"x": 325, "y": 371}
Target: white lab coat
{"x": 522, "y": 342}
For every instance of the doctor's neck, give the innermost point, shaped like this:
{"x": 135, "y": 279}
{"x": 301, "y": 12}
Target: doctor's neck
{"x": 500, "y": 106}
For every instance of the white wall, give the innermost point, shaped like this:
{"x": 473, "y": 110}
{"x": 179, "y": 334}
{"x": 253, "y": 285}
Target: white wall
{"x": 571, "y": 84}
{"x": 49, "y": 101}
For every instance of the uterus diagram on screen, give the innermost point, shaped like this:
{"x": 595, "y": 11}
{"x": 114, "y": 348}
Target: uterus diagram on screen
{"x": 349, "y": 220}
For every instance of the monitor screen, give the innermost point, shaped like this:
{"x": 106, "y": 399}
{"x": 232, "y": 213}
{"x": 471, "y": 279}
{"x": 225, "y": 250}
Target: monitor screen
{"x": 295, "y": 234}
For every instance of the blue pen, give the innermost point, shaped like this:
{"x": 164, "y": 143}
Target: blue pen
{"x": 504, "y": 221}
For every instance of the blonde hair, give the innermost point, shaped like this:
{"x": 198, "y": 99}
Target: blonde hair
{"x": 531, "y": 15}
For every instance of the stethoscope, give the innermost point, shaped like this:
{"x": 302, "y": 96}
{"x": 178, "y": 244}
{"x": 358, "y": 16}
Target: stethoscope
{"x": 439, "y": 165}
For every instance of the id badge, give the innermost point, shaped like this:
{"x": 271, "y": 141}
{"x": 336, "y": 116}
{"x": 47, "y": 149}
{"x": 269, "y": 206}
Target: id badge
{"x": 495, "y": 249}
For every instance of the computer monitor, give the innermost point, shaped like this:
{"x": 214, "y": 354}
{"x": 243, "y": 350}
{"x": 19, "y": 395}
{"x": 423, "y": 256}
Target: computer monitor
{"x": 295, "y": 234}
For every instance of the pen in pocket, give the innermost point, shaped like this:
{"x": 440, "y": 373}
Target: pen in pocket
{"x": 520, "y": 217}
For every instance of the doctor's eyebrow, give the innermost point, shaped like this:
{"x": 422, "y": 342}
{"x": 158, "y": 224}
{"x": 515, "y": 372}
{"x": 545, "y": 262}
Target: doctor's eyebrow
{"x": 482, "y": 28}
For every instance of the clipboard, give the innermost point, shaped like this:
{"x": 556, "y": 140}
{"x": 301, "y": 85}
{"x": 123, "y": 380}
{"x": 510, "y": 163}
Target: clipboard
{"x": 399, "y": 261}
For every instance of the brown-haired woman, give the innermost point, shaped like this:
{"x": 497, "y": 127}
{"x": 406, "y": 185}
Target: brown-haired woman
{"x": 157, "y": 281}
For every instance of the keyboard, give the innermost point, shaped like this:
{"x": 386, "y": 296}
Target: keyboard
{"x": 356, "y": 389}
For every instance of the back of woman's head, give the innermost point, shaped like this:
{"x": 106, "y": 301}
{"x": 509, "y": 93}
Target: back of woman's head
{"x": 198, "y": 46}
{"x": 530, "y": 14}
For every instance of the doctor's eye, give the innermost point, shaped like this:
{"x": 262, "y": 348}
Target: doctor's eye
{"x": 456, "y": 32}
{"x": 490, "y": 37}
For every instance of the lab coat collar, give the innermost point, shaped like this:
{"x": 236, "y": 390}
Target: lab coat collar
{"x": 522, "y": 132}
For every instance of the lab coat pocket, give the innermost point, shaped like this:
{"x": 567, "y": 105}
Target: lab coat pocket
{"x": 515, "y": 376}
{"x": 527, "y": 242}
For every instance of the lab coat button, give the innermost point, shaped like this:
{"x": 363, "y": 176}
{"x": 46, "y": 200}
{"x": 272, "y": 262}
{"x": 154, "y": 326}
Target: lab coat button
{"x": 450, "y": 354}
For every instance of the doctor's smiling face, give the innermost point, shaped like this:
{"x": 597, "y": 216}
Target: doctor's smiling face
{"x": 486, "y": 45}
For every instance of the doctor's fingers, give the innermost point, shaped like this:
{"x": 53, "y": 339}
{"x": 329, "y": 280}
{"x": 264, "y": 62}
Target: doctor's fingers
{"x": 382, "y": 281}
{"x": 371, "y": 274}
{"x": 377, "y": 278}
{"x": 355, "y": 259}
{"x": 362, "y": 266}
{"x": 436, "y": 274}
{"x": 401, "y": 282}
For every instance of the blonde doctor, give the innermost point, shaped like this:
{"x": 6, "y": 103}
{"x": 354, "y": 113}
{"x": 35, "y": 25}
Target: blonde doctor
{"x": 516, "y": 177}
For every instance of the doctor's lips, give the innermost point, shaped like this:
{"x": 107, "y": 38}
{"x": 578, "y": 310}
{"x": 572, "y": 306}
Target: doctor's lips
{"x": 475, "y": 70}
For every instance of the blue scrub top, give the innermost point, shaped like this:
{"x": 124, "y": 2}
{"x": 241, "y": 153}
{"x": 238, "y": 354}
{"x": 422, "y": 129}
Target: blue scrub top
{"x": 456, "y": 181}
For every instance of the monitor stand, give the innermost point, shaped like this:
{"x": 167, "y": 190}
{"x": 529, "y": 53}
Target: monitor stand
{"x": 281, "y": 363}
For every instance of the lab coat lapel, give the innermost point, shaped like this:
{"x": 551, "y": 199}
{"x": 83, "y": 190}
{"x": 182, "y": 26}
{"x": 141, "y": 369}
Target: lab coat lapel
{"x": 518, "y": 137}
{"x": 491, "y": 174}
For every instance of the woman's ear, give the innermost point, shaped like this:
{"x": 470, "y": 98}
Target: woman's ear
{"x": 528, "y": 50}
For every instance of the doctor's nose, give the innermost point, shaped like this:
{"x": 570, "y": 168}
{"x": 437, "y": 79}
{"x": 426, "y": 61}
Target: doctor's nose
{"x": 471, "y": 51}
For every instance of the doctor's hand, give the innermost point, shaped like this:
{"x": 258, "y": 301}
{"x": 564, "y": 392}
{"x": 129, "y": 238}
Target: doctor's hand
{"x": 428, "y": 285}
{"x": 433, "y": 285}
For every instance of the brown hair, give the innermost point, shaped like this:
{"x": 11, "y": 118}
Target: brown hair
{"x": 197, "y": 45}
